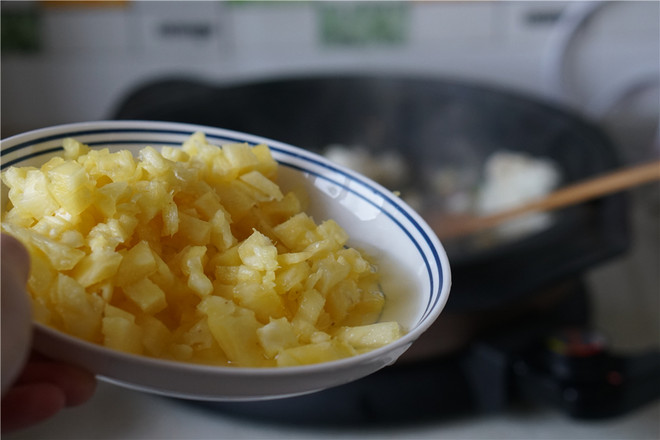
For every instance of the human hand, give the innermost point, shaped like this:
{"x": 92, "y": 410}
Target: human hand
{"x": 34, "y": 388}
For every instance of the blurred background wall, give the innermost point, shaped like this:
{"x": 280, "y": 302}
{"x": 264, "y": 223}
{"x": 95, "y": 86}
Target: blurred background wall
{"x": 73, "y": 61}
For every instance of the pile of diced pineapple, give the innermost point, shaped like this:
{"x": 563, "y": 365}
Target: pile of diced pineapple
{"x": 191, "y": 254}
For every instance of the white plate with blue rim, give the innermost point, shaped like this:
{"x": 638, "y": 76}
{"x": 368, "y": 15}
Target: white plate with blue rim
{"x": 416, "y": 276}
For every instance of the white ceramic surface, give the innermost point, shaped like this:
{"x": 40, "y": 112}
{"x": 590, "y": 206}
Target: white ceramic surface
{"x": 416, "y": 271}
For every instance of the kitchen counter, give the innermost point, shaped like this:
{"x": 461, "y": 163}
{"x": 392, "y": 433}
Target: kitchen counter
{"x": 117, "y": 413}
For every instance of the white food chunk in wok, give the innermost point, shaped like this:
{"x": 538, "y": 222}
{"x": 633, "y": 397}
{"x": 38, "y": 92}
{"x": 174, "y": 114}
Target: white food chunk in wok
{"x": 387, "y": 167}
{"x": 512, "y": 179}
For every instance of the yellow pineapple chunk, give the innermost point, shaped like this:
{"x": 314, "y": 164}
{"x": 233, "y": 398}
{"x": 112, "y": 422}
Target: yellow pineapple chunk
{"x": 110, "y": 195}
{"x": 112, "y": 167}
{"x": 170, "y": 216}
{"x": 235, "y": 199}
{"x": 208, "y": 204}
{"x": 332, "y": 271}
{"x": 240, "y": 156}
{"x": 120, "y": 332}
{"x": 277, "y": 336}
{"x": 137, "y": 264}
{"x": 42, "y": 274}
{"x": 308, "y": 313}
{"x": 174, "y": 154}
{"x": 96, "y": 267}
{"x": 235, "y": 330}
{"x": 297, "y": 232}
{"x": 152, "y": 198}
{"x": 147, "y": 295}
{"x": 154, "y": 163}
{"x": 258, "y": 252}
{"x": 197, "y": 146}
{"x": 357, "y": 262}
{"x": 341, "y": 299}
{"x": 71, "y": 187}
{"x": 329, "y": 229}
{"x": 72, "y": 238}
{"x": 163, "y": 275}
{"x": 29, "y": 194}
{"x": 194, "y": 230}
{"x": 80, "y": 312}
{"x": 61, "y": 256}
{"x": 314, "y": 353}
{"x": 266, "y": 189}
{"x": 265, "y": 302}
{"x": 155, "y": 335}
{"x": 221, "y": 235}
{"x": 73, "y": 149}
{"x": 291, "y": 276}
{"x": 370, "y": 336}
{"x": 192, "y": 265}
{"x": 367, "y": 310}
{"x": 229, "y": 257}
{"x": 267, "y": 165}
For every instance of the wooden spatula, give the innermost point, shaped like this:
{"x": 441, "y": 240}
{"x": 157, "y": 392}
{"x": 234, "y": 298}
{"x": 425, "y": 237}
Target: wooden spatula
{"x": 448, "y": 226}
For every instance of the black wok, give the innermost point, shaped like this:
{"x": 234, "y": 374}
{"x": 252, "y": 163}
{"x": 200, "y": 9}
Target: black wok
{"x": 431, "y": 123}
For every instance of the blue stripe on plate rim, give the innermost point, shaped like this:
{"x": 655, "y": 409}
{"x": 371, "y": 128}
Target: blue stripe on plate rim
{"x": 433, "y": 299}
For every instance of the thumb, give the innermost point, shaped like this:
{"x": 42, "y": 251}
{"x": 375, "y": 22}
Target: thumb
{"x": 16, "y": 327}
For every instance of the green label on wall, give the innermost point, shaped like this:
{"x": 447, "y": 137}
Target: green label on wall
{"x": 20, "y": 30}
{"x": 363, "y": 23}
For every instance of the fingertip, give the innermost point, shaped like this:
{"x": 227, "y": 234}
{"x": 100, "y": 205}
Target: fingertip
{"x": 16, "y": 308}
{"x": 82, "y": 389}
{"x": 77, "y": 384}
{"x": 29, "y": 404}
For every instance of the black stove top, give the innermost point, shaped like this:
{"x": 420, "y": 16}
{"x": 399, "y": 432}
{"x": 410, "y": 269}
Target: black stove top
{"x": 548, "y": 358}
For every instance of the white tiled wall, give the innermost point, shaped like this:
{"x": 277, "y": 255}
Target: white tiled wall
{"x": 91, "y": 56}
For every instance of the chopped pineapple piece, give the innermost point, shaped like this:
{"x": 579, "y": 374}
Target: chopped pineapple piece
{"x": 147, "y": 295}
{"x": 29, "y": 194}
{"x": 80, "y": 311}
{"x": 61, "y": 256}
{"x": 241, "y": 157}
{"x": 96, "y": 267}
{"x": 73, "y": 148}
{"x": 70, "y": 186}
{"x": 266, "y": 165}
{"x": 265, "y": 302}
{"x": 195, "y": 231}
{"x": 138, "y": 263}
{"x": 276, "y": 336}
{"x": 155, "y": 335}
{"x": 266, "y": 189}
{"x": 315, "y": 353}
{"x": 192, "y": 265}
{"x": 108, "y": 197}
{"x": 221, "y": 235}
{"x": 120, "y": 331}
{"x": 370, "y": 336}
{"x": 235, "y": 330}
{"x": 257, "y": 252}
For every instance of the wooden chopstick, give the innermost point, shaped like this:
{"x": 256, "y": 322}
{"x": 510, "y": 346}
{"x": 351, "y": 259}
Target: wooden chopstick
{"x": 447, "y": 227}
